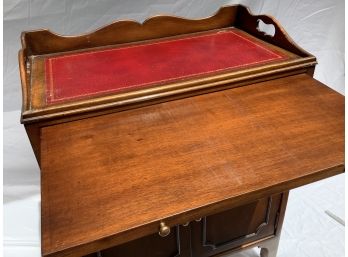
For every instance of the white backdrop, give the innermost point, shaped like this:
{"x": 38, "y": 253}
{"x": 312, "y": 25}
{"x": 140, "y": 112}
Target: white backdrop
{"x": 317, "y": 26}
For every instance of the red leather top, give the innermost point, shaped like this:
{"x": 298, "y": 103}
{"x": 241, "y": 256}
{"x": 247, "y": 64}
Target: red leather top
{"x": 76, "y": 76}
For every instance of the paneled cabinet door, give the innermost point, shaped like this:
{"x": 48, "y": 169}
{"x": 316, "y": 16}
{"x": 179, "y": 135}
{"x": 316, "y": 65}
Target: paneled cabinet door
{"x": 176, "y": 244}
{"x": 209, "y": 236}
{"x": 232, "y": 228}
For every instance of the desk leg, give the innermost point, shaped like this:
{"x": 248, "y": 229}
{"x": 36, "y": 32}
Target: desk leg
{"x": 269, "y": 247}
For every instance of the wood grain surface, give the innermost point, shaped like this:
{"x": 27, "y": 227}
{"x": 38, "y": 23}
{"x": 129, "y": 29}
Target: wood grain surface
{"x": 113, "y": 178}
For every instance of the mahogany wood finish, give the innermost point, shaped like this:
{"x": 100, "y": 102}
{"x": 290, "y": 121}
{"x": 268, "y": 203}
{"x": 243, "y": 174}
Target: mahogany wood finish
{"x": 181, "y": 160}
{"x": 223, "y": 149}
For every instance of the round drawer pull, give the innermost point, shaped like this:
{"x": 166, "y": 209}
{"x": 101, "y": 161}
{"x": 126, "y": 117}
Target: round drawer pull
{"x": 186, "y": 224}
{"x": 164, "y": 230}
{"x": 198, "y": 220}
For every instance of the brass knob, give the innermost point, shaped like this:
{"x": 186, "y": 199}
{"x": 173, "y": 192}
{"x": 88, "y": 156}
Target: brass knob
{"x": 164, "y": 230}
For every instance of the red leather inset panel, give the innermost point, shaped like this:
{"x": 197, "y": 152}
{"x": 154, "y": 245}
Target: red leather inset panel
{"x": 75, "y": 76}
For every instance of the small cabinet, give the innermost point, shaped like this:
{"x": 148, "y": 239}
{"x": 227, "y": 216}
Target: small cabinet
{"x": 211, "y": 235}
{"x": 232, "y": 228}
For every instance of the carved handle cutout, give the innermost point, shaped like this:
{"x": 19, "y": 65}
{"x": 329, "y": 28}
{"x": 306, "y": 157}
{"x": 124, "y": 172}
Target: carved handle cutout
{"x": 266, "y": 29}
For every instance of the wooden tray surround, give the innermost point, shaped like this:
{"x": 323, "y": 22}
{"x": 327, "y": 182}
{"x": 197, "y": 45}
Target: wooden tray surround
{"x": 200, "y": 126}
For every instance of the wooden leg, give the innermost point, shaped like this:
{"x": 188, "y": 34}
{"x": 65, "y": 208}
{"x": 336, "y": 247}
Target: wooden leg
{"x": 269, "y": 248}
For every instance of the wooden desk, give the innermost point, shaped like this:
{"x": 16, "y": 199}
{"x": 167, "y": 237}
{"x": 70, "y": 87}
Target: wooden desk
{"x": 208, "y": 170}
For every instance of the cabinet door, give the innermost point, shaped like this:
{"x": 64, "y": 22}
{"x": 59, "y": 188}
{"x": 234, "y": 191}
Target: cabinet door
{"x": 176, "y": 244}
{"x": 232, "y": 228}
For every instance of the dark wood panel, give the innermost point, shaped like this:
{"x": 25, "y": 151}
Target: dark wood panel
{"x": 92, "y": 255}
{"x": 235, "y": 227}
{"x": 111, "y": 179}
{"x": 173, "y": 245}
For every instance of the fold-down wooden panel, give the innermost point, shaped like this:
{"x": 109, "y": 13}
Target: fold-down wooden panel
{"x": 113, "y": 178}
